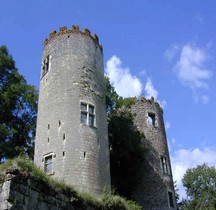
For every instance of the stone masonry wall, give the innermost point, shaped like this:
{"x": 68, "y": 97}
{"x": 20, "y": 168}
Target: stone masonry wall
{"x": 155, "y": 189}
{"x": 18, "y": 192}
{"x": 75, "y": 75}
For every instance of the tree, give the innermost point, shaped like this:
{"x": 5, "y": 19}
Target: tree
{"x": 18, "y": 104}
{"x": 125, "y": 141}
{"x": 200, "y": 184}
{"x": 111, "y": 96}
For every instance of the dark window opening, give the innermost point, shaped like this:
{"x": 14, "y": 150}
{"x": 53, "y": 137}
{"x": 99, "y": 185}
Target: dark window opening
{"x": 84, "y": 154}
{"x": 46, "y": 66}
{"x": 63, "y": 153}
{"x": 171, "y": 201}
{"x": 165, "y": 165}
{"x": 59, "y": 123}
{"x": 48, "y": 126}
{"x": 48, "y": 140}
{"x": 63, "y": 136}
{"x": 48, "y": 164}
{"x": 151, "y": 119}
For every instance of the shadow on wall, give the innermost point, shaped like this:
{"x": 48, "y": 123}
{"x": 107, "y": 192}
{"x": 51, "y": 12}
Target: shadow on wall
{"x": 151, "y": 191}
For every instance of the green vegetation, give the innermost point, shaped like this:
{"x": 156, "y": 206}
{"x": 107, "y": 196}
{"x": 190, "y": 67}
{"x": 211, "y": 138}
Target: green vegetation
{"x": 108, "y": 201}
{"x": 126, "y": 151}
{"x": 18, "y": 104}
{"x": 200, "y": 188}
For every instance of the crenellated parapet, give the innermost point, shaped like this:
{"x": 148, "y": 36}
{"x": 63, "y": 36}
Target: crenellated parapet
{"x": 74, "y": 29}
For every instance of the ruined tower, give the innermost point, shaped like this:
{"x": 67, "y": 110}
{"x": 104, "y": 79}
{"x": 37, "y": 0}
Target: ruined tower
{"x": 155, "y": 188}
{"x": 71, "y": 135}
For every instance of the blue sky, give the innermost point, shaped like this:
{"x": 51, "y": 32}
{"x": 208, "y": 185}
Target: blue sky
{"x": 164, "y": 49}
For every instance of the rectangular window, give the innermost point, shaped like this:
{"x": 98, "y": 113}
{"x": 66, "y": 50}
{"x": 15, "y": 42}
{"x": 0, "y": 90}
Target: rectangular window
{"x": 87, "y": 114}
{"x": 165, "y": 165}
{"x": 48, "y": 167}
{"x": 171, "y": 201}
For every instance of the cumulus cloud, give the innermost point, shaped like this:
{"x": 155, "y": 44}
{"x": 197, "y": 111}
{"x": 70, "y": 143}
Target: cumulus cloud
{"x": 150, "y": 90}
{"x": 125, "y": 83}
{"x": 190, "y": 67}
{"x": 183, "y": 159}
{"x": 128, "y": 85}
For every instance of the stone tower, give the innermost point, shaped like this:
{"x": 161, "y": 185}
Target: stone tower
{"x": 71, "y": 135}
{"x": 155, "y": 189}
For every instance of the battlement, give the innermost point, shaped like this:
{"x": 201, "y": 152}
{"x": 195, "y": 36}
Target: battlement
{"x": 74, "y": 29}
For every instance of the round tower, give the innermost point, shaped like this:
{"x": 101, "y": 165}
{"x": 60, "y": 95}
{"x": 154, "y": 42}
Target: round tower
{"x": 155, "y": 189}
{"x": 71, "y": 135}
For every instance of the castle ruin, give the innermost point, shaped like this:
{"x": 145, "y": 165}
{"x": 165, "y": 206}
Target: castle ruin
{"x": 72, "y": 137}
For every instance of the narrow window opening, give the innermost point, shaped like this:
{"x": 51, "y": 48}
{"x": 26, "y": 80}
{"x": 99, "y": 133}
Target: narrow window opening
{"x": 48, "y": 126}
{"x": 48, "y": 167}
{"x": 84, "y": 154}
{"x": 171, "y": 201}
{"x": 45, "y": 66}
{"x": 63, "y": 136}
{"x": 48, "y": 140}
{"x": 63, "y": 153}
{"x": 59, "y": 123}
{"x": 165, "y": 165}
{"x": 151, "y": 119}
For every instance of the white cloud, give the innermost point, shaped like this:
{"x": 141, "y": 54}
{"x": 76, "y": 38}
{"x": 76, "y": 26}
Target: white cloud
{"x": 128, "y": 85}
{"x": 171, "y": 52}
{"x": 183, "y": 159}
{"x": 125, "y": 83}
{"x": 190, "y": 68}
{"x": 150, "y": 90}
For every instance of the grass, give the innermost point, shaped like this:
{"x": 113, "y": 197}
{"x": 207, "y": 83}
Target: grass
{"x": 108, "y": 201}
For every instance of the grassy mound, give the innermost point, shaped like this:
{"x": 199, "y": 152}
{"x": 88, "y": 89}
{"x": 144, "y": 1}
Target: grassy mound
{"x": 26, "y": 169}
